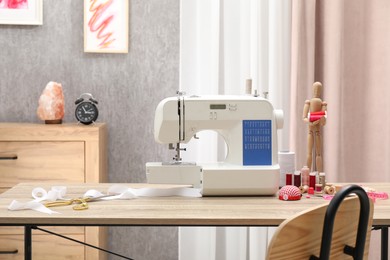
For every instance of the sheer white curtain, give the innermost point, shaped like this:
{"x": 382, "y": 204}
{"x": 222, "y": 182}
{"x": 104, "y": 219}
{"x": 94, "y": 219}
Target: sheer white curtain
{"x": 222, "y": 44}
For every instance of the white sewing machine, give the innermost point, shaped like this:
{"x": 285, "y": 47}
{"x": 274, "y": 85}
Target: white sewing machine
{"x": 247, "y": 123}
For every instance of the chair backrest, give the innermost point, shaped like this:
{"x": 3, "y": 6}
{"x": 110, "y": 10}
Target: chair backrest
{"x": 300, "y": 237}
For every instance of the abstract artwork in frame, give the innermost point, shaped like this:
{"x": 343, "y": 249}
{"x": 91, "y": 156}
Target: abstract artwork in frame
{"x": 106, "y": 26}
{"x": 22, "y": 12}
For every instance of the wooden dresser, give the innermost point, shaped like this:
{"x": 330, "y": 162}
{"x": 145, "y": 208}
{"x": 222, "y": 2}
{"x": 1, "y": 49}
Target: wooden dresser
{"x": 52, "y": 153}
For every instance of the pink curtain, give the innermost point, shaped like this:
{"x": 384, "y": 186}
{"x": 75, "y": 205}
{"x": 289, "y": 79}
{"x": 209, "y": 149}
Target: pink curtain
{"x": 344, "y": 44}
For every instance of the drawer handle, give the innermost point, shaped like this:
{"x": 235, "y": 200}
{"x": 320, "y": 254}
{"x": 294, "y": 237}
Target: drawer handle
{"x": 8, "y": 157}
{"x": 10, "y": 252}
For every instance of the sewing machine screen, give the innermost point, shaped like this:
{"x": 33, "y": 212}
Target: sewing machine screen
{"x": 217, "y": 106}
{"x": 257, "y": 142}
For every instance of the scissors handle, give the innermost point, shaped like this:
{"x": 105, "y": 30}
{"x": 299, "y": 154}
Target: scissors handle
{"x": 81, "y": 203}
{"x": 60, "y": 203}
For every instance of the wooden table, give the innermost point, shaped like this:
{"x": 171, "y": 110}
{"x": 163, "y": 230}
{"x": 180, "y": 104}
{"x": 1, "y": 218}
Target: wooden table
{"x": 170, "y": 211}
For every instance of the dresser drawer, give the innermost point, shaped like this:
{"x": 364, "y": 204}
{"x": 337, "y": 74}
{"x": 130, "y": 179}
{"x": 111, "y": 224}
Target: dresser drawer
{"x": 41, "y": 162}
{"x": 43, "y": 247}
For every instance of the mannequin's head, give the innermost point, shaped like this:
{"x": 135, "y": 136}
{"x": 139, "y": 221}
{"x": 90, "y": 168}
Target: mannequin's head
{"x": 317, "y": 89}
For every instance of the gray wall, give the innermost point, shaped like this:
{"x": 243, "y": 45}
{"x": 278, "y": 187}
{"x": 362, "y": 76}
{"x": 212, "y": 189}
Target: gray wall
{"x": 127, "y": 86}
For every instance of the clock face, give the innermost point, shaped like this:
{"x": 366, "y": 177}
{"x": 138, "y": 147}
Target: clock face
{"x": 86, "y": 112}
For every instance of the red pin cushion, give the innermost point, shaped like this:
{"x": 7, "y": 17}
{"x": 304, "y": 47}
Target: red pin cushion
{"x": 290, "y": 192}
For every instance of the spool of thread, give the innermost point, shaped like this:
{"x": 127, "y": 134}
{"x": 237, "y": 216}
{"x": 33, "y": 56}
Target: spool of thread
{"x": 318, "y": 188}
{"x": 312, "y": 179}
{"x": 330, "y": 190}
{"x": 318, "y": 113}
{"x": 305, "y": 175}
{"x": 322, "y": 179}
{"x": 314, "y": 116}
{"x": 297, "y": 179}
{"x": 289, "y": 178}
{"x": 311, "y": 190}
{"x": 330, "y": 184}
{"x": 304, "y": 188}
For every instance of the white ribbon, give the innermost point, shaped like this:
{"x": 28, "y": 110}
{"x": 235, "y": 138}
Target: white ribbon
{"x": 56, "y": 192}
{"x": 34, "y": 205}
{"x": 117, "y": 191}
{"x": 39, "y": 194}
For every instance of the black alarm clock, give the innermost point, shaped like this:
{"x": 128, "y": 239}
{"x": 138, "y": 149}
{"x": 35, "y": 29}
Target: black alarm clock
{"x": 86, "y": 109}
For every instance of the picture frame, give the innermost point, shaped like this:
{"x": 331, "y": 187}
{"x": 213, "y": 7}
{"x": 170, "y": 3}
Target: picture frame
{"x": 27, "y": 12}
{"x": 106, "y": 26}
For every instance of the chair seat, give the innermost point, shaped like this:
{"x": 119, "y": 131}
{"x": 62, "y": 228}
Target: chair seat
{"x": 300, "y": 236}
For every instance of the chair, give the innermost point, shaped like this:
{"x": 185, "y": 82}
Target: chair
{"x": 340, "y": 230}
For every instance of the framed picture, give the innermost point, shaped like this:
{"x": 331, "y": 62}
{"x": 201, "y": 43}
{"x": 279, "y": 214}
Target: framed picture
{"x": 21, "y": 12}
{"x": 106, "y": 26}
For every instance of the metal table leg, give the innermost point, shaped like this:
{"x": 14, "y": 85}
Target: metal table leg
{"x": 27, "y": 242}
{"x": 384, "y": 243}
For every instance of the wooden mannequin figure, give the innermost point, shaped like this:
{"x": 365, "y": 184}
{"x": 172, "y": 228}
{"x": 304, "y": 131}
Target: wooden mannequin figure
{"x": 314, "y": 113}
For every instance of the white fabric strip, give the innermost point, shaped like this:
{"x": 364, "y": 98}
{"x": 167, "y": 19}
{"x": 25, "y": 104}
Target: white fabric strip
{"x": 117, "y": 191}
{"x": 39, "y": 194}
{"x": 34, "y": 205}
{"x": 56, "y": 192}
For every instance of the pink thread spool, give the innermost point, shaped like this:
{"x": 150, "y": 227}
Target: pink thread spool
{"x": 314, "y": 116}
{"x": 318, "y": 188}
{"x": 305, "y": 175}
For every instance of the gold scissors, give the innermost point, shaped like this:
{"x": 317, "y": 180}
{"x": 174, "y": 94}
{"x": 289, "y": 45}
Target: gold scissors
{"x": 81, "y": 203}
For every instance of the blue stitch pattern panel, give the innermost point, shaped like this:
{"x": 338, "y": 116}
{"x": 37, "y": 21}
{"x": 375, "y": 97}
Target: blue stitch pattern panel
{"x": 257, "y": 142}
